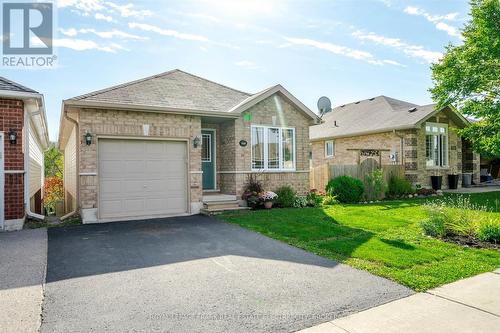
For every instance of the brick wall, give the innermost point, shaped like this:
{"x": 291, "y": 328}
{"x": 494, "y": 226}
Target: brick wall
{"x": 12, "y": 116}
{"x": 273, "y": 111}
{"x": 412, "y": 157}
{"x": 130, "y": 124}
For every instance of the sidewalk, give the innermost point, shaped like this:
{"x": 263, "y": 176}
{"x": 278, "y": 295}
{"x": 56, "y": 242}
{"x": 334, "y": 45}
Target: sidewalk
{"x": 23, "y": 258}
{"x": 469, "y": 305}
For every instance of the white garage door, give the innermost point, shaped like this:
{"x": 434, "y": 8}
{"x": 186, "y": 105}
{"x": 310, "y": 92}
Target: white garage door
{"x": 141, "y": 178}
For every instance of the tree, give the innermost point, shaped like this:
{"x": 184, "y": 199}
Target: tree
{"x": 468, "y": 77}
{"x": 54, "y": 163}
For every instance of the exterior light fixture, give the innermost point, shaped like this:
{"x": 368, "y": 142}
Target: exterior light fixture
{"x": 196, "y": 142}
{"x": 12, "y": 136}
{"x": 88, "y": 138}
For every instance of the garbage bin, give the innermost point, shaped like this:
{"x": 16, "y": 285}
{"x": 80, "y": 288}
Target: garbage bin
{"x": 466, "y": 180}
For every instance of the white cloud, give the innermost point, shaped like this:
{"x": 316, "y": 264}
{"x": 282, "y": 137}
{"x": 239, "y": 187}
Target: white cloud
{"x": 167, "y": 32}
{"x": 415, "y": 51}
{"x": 129, "y": 10}
{"x": 102, "y": 17}
{"x": 84, "y": 45}
{"x": 103, "y": 8}
{"x": 247, "y": 64}
{"x": 437, "y": 20}
{"x": 72, "y": 32}
{"x": 337, "y": 49}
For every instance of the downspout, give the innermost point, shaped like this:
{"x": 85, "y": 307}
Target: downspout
{"x": 401, "y": 138}
{"x": 29, "y": 213}
{"x": 77, "y": 153}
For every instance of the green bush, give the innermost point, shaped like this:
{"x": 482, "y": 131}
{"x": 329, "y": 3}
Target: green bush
{"x": 434, "y": 227}
{"x": 375, "y": 185}
{"x": 330, "y": 200}
{"x": 398, "y": 187}
{"x": 300, "y": 202}
{"x": 314, "y": 199}
{"x": 346, "y": 189}
{"x": 489, "y": 231}
{"x": 286, "y": 196}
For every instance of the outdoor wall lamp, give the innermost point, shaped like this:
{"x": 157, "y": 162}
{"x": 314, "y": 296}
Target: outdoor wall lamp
{"x": 196, "y": 142}
{"x": 12, "y": 136}
{"x": 88, "y": 138}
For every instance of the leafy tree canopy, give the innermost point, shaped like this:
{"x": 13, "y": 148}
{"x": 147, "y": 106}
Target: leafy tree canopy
{"x": 54, "y": 163}
{"x": 468, "y": 77}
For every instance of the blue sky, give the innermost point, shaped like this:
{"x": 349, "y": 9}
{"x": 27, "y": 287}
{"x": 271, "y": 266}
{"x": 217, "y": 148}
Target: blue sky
{"x": 346, "y": 50}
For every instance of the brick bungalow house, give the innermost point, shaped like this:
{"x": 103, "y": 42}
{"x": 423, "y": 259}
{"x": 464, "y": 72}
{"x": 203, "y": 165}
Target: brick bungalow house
{"x": 421, "y": 138}
{"x": 23, "y": 139}
{"x": 175, "y": 143}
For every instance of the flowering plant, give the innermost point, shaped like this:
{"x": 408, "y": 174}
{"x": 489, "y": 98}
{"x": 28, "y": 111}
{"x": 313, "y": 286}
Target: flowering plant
{"x": 268, "y": 196}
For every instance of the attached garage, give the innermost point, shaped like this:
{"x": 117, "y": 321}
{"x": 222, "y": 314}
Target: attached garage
{"x": 142, "y": 178}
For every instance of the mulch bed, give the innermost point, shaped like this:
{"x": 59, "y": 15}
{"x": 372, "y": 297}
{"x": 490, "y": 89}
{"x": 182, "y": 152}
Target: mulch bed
{"x": 471, "y": 242}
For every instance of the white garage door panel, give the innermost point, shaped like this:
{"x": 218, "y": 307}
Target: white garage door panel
{"x": 139, "y": 178}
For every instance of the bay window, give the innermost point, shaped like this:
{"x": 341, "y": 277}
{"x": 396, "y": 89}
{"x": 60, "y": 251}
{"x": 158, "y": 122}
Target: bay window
{"x": 436, "y": 145}
{"x": 273, "y": 148}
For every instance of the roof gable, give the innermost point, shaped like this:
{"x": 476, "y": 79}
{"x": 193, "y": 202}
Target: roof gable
{"x": 174, "y": 89}
{"x": 372, "y": 115}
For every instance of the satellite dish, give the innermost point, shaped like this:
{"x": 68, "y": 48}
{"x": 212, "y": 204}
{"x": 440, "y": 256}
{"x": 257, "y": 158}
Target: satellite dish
{"x": 324, "y": 105}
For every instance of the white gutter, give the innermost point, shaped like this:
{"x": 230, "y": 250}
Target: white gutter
{"x": 27, "y": 205}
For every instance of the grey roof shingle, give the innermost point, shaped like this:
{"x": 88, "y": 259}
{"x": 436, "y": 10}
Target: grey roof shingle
{"x": 174, "y": 89}
{"x": 370, "y": 116}
{"x": 9, "y": 85}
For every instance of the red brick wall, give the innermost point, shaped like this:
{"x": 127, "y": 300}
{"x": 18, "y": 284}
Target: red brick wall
{"x": 12, "y": 116}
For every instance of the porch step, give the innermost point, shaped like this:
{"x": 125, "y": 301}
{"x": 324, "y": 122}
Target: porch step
{"x": 208, "y": 212}
{"x": 218, "y": 197}
{"x": 226, "y": 204}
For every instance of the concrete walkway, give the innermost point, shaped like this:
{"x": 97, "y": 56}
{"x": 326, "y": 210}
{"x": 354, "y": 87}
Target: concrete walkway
{"x": 469, "y": 305}
{"x": 474, "y": 189}
{"x": 23, "y": 260}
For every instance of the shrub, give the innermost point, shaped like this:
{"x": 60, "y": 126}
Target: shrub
{"x": 460, "y": 217}
{"x": 253, "y": 184}
{"x": 346, "y": 189}
{"x": 286, "y": 196}
{"x": 398, "y": 186}
{"x": 53, "y": 192}
{"x": 300, "y": 201}
{"x": 329, "y": 200}
{"x": 314, "y": 199}
{"x": 489, "y": 231}
{"x": 375, "y": 185}
{"x": 434, "y": 227}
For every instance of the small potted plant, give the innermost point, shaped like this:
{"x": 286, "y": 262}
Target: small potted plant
{"x": 453, "y": 180}
{"x": 436, "y": 181}
{"x": 268, "y": 198}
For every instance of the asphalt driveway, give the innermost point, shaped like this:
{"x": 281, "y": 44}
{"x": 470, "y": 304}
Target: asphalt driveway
{"x": 195, "y": 274}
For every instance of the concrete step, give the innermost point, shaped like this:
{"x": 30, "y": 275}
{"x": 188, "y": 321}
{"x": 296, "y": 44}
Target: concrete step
{"x": 218, "y": 197}
{"x": 208, "y": 212}
{"x": 221, "y": 204}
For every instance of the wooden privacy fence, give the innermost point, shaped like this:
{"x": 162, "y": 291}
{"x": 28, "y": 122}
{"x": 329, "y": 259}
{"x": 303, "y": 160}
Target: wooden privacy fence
{"x": 319, "y": 176}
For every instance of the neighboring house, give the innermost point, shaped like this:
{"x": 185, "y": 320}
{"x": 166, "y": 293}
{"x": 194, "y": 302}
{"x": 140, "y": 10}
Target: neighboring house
{"x": 161, "y": 145}
{"x": 421, "y": 138}
{"x": 23, "y": 140}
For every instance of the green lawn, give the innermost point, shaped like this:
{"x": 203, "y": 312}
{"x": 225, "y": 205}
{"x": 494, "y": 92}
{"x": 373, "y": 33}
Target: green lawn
{"x": 383, "y": 238}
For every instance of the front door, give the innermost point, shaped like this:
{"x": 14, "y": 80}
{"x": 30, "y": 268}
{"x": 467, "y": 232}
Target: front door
{"x": 208, "y": 159}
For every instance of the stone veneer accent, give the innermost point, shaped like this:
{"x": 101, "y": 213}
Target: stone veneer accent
{"x": 413, "y": 157}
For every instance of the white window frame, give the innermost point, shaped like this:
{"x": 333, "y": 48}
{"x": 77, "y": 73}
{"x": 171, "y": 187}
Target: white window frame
{"x": 209, "y": 160}
{"x": 266, "y": 149}
{"x": 444, "y": 152}
{"x": 326, "y": 148}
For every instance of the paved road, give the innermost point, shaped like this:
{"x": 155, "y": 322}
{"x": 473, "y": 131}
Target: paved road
{"x": 195, "y": 274}
{"x": 23, "y": 258}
